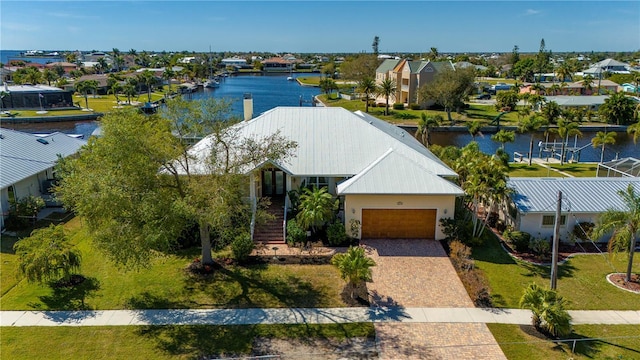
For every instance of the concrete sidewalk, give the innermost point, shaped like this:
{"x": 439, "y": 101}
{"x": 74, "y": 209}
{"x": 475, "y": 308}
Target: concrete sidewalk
{"x": 300, "y": 316}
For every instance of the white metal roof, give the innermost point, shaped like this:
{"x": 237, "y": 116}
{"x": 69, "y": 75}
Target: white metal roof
{"x": 32, "y": 88}
{"x": 580, "y": 195}
{"x": 394, "y": 173}
{"x": 331, "y": 141}
{"x": 23, "y": 155}
{"x": 569, "y": 100}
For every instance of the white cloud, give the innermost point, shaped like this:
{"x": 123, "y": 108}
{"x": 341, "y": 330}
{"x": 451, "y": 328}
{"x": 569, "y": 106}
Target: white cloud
{"x": 67, "y": 15}
{"x": 20, "y": 27}
{"x": 532, "y": 12}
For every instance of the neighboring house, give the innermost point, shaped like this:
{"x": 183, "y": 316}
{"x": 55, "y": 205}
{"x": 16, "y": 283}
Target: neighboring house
{"x": 466, "y": 64}
{"x": 35, "y": 97}
{"x": 67, "y": 66}
{"x": 409, "y": 76}
{"x": 277, "y": 64}
{"x": 608, "y": 65}
{"x": 533, "y": 203}
{"x": 592, "y": 102}
{"x": 627, "y": 167}
{"x": 235, "y": 62}
{"x": 630, "y": 88}
{"x": 572, "y": 88}
{"x": 382, "y": 176}
{"x": 6, "y": 75}
{"x": 28, "y": 162}
{"x": 188, "y": 60}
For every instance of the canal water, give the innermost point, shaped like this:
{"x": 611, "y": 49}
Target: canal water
{"x": 269, "y": 91}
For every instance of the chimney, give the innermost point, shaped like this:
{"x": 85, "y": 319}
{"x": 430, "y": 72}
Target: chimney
{"x": 248, "y": 106}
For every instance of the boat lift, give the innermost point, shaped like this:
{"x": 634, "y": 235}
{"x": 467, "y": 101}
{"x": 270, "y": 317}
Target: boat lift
{"x": 548, "y": 149}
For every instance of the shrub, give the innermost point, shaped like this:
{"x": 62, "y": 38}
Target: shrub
{"x": 583, "y": 230}
{"x": 241, "y": 247}
{"x": 457, "y": 229}
{"x": 295, "y": 234}
{"x": 519, "y": 239}
{"x": 460, "y": 256}
{"x": 336, "y": 234}
{"x": 398, "y": 106}
{"x": 548, "y": 310}
{"x": 21, "y": 210}
{"x": 540, "y": 247}
{"x": 405, "y": 116}
{"x": 354, "y": 227}
{"x": 414, "y": 106}
{"x": 477, "y": 288}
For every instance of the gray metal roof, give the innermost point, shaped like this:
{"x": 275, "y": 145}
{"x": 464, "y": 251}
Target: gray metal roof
{"x": 580, "y": 195}
{"x": 394, "y": 173}
{"x": 569, "y": 100}
{"x": 331, "y": 141}
{"x": 23, "y": 155}
{"x": 387, "y": 65}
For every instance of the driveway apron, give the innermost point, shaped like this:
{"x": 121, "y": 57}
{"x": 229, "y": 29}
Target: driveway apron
{"x": 418, "y": 273}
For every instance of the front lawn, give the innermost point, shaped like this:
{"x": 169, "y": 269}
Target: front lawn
{"x": 578, "y": 169}
{"x": 616, "y": 342}
{"x": 158, "y": 342}
{"x": 581, "y": 280}
{"x": 524, "y": 170}
{"x": 165, "y": 284}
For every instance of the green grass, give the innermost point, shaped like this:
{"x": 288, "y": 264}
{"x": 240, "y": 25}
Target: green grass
{"x": 581, "y": 280}
{"x": 524, "y": 170}
{"x": 578, "y": 169}
{"x": 165, "y": 284}
{"x": 158, "y": 342}
{"x": 618, "y": 342}
{"x": 309, "y": 80}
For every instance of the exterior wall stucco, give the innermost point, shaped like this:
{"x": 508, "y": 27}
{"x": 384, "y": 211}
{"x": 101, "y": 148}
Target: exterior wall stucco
{"x": 444, "y": 204}
{"x": 532, "y": 223}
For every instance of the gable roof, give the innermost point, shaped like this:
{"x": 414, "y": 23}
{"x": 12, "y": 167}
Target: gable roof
{"x": 394, "y": 173}
{"x": 331, "y": 141}
{"x": 580, "y": 195}
{"x": 23, "y": 155}
{"x": 387, "y": 65}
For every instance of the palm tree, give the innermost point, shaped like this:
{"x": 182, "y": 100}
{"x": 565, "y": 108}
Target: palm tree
{"x": 84, "y": 87}
{"x": 531, "y": 125}
{"x": 129, "y": 89}
{"x": 425, "y": 125}
{"x": 115, "y": 89}
{"x": 168, "y": 74}
{"x": 354, "y": 266}
{"x": 601, "y": 139}
{"x": 316, "y": 207}
{"x": 635, "y": 130}
{"x": 116, "y": 55}
{"x": 433, "y": 55}
{"x": 33, "y": 75}
{"x": 564, "y": 72}
{"x": 327, "y": 85}
{"x": 564, "y": 130}
{"x": 368, "y": 87}
{"x": 587, "y": 83}
{"x": 504, "y": 136}
{"x": 618, "y": 109}
{"x": 149, "y": 79}
{"x": 625, "y": 225}
{"x": 103, "y": 65}
{"x": 551, "y": 111}
{"x": 387, "y": 89}
{"x": 547, "y": 309}
{"x": 474, "y": 128}
{"x": 49, "y": 76}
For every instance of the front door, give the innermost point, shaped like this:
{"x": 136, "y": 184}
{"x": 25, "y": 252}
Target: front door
{"x": 273, "y": 182}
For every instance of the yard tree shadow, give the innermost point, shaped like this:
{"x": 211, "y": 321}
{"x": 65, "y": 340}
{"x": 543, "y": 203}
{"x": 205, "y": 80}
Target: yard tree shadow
{"x": 69, "y": 297}
{"x": 147, "y": 300}
{"x": 255, "y": 290}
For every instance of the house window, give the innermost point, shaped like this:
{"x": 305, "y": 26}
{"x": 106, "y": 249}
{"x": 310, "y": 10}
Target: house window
{"x": 11, "y": 194}
{"x": 318, "y": 181}
{"x": 550, "y": 220}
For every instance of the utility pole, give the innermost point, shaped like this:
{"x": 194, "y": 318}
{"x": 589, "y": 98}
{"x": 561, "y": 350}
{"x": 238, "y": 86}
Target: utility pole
{"x": 556, "y": 241}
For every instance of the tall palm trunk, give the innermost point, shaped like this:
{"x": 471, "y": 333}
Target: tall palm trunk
{"x": 632, "y": 249}
{"x": 531, "y": 149}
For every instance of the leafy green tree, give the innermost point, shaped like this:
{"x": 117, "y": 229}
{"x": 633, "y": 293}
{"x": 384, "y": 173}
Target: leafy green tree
{"x": 168, "y": 74}
{"x": 84, "y": 87}
{"x": 316, "y": 207}
{"x": 450, "y": 88}
{"x": 359, "y": 67}
{"x": 425, "y": 125}
{"x": 327, "y": 85}
{"x": 148, "y": 79}
{"x": 116, "y": 89}
{"x": 601, "y": 139}
{"x": 548, "y": 310}
{"x": 531, "y": 125}
{"x": 129, "y": 89}
{"x": 524, "y": 69}
{"x": 387, "y": 89}
{"x": 565, "y": 129}
{"x": 375, "y": 45}
{"x": 506, "y": 100}
{"x": 504, "y": 136}
{"x": 618, "y": 109}
{"x": 354, "y": 266}
{"x": 46, "y": 255}
{"x": 145, "y": 186}
{"x": 623, "y": 224}
{"x": 368, "y": 87}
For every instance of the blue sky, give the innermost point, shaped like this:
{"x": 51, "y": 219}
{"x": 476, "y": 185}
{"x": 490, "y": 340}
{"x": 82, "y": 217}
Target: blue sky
{"x": 320, "y": 26}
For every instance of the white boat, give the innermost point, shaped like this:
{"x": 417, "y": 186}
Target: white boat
{"x": 290, "y": 78}
{"x": 211, "y": 84}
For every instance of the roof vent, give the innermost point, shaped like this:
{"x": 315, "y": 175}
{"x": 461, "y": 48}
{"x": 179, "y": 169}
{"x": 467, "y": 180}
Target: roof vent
{"x": 43, "y": 141}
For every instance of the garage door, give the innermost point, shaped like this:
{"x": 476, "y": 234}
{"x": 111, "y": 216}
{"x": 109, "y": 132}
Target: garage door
{"x": 398, "y": 224}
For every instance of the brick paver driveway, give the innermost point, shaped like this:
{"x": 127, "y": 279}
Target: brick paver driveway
{"x": 418, "y": 273}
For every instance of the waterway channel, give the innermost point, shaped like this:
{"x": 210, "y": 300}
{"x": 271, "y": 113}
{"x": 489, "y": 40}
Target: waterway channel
{"x": 269, "y": 91}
